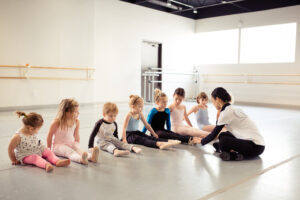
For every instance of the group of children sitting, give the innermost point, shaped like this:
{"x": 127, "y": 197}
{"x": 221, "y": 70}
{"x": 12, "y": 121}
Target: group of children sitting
{"x": 237, "y": 134}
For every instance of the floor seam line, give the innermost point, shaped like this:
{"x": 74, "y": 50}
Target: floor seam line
{"x": 257, "y": 174}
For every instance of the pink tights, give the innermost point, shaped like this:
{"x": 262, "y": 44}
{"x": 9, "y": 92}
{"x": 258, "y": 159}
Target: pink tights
{"x": 39, "y": 161}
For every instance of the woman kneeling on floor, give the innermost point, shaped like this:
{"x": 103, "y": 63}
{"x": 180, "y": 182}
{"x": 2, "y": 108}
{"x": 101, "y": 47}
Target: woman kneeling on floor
{"x": 242, "y": 138}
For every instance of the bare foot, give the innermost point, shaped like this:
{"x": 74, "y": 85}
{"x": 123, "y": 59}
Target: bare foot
{"x": 175, "y": 141}
{"x": 63, "y": 163}
{"x": 136, "y": 150}
{"x": 95, "y": 154}
{"x": 49, "y": 167}
{"x": 84, "y": 158}
{"x": 165, "y": 145}
{"x": 119, "y": 153}
{"x": 195, "y": 140}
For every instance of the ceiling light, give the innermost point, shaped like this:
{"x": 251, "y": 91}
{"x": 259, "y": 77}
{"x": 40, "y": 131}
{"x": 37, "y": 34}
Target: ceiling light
{"x": 195, "y": 11}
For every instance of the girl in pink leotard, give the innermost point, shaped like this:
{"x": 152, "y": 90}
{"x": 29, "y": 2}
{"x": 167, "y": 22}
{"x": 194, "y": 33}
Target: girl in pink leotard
{"x": 178, "y": 114}
{"x": 65, "y": 129}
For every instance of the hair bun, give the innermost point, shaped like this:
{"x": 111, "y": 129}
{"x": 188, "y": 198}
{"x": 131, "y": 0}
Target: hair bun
{"x": 20, "y": 113}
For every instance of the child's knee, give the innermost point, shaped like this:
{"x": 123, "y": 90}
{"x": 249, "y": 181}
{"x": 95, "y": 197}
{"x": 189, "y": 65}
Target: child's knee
{"x": 32, "y": 158}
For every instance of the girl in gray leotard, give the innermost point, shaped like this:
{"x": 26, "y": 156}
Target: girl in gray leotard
{"x": 201, "y": 113}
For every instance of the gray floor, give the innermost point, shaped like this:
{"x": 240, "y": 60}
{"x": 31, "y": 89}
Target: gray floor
{"x": 184, "y": 172}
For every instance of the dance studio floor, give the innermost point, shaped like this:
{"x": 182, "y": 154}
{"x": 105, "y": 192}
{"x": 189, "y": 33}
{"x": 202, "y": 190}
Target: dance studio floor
{"x": 184, "y": 172}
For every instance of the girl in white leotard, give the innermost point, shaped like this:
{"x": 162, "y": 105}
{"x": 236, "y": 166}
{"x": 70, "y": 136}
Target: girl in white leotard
{"x": 178, "y": 114}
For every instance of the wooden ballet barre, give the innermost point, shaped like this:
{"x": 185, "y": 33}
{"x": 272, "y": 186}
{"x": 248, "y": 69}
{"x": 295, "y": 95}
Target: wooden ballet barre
{"x": 13, "y": 66}
{"x": 27, "y": 67}
{"x": 64, "y": 68}
{"x": 58, "y": 78}
{"x": 41, "y": 67}
{"x": 12, "y": 77}
{"x": 45, "y": 78}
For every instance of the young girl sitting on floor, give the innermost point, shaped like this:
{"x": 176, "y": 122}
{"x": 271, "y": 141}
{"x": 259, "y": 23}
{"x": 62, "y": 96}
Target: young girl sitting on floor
{"x": 131, "y": 133}
{"x": 201, "y": 113}
{"x": 160, "y": 115}
{"x": 26, "y": 148}
{"x": 178, "y": 113}
{"x": 65, "y": 128}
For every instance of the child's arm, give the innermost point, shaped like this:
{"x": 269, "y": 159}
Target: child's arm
{"x": 187, "y": 118}
{"x": 168, "y": 122}
{"x": 148, "y": 126}
{"x": 149, "y": 118}
{"x": 76, "y": 132}
{"x": 170, "y": 107}
{"x": 125, "y": 127}
{"x": 53, "y": 127}
{"x": 193, "y": 109}
{"x": 16, "y": 139}
{"x": 94, "y": 133}
{"x": 116, "y": 131}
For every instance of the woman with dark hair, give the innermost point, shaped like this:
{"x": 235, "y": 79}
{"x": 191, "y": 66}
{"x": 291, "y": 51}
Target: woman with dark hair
{"x": 242, "y": 138}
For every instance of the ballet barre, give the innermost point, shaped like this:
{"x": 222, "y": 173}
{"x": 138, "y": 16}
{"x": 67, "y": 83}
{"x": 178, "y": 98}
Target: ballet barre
{"x": 247, "y": 81}
{"x": 26, "y": 69}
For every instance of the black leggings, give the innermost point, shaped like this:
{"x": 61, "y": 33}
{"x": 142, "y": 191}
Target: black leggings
{"x": 247, "y": 148}
{"x": 137, "y": 137}
{"x": 174, "y": 136}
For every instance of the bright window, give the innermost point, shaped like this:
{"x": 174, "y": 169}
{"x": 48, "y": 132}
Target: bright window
{"x": 269, "y": 44}
{"x": 218, "y": 47}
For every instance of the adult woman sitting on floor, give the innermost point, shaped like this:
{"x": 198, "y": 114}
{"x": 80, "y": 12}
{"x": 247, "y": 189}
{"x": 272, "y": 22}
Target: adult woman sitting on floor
{"x": 242, "y": 138}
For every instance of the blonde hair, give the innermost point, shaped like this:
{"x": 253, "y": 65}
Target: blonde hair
{"x": 158, "y": 94}
{"x": 32, "y": 119}
{"x": 110, "y": 108}
{"x": 66, "y": 105}
{"x": 202, "y": 95}
{"x": 135, "y": 100}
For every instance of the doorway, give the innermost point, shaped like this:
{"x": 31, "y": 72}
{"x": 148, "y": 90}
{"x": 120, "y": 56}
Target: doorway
{"x": 151, "y": 62}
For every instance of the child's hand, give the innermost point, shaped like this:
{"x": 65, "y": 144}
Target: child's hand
{"x": 155, "y": 135}
{"x": 125, "y": 141}
{"x": 16, "y": 162}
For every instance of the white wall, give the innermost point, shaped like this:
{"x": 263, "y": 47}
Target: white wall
{"x": 108, "y": 35}
{"x": 275, "y": 94}
{"x": 120, "y": 29}
{"x": 46, "y": 33}
{"x": 105, "y": 34}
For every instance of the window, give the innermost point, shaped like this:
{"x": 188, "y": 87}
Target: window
{"x": 269, "y": 44}
{"x": 218, "y": 47}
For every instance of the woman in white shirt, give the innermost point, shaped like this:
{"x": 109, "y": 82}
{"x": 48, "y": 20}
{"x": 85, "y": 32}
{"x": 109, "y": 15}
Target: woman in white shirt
{"x": 242, "y": 138}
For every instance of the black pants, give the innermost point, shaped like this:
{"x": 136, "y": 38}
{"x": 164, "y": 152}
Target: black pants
{"x": 247, "y": 148}
{"x": 137, "y": 137}
{"x": 173, "y": 136}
